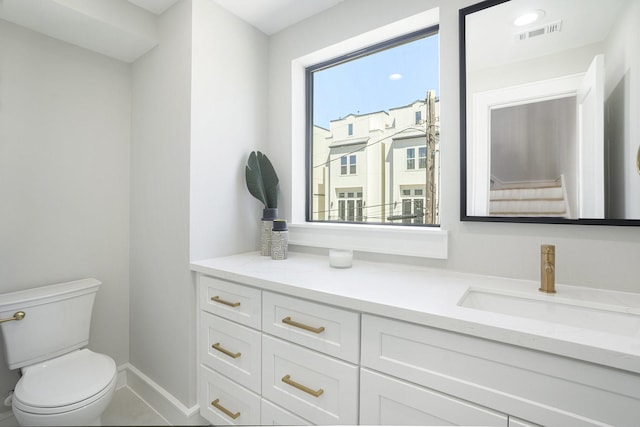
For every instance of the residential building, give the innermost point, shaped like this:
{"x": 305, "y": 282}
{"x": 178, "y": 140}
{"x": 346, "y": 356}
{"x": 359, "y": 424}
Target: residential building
{"x": 379, "y": 167}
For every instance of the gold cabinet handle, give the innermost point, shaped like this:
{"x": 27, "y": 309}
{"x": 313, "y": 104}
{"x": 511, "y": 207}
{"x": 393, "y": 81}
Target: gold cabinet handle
{"x": 19, "y": 315}
{"x": 315, "y": 393}
{"x": 217, "y": 405}
{"x": 288, "y": 321}
{"x": 221, "y": 301}
{"x": 221, "y": 349}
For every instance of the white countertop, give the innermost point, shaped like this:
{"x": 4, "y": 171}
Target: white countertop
{"x": 430, "y": 297}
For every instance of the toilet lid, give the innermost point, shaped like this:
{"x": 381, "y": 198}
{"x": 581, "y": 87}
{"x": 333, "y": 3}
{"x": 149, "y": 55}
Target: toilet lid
{"x": 65, "y": 380}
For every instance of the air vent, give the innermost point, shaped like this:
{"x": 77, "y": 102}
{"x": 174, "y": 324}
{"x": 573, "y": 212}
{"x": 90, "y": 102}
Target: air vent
{"x": 530, "y": 33}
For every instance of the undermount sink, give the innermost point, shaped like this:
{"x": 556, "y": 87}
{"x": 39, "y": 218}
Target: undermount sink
{"x": 585, "y": 315}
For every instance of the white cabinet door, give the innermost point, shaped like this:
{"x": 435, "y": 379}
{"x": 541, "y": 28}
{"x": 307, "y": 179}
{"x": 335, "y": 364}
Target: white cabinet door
{"x": 233, "y": 350}
{"x": 316, "y": 387}
{"x": 235, "y": 302}
{"x": 532, "y": 385}
{"x": 327, "y": 329}
{"x": 388, "y": 401}
{"x": 223, "y": 402}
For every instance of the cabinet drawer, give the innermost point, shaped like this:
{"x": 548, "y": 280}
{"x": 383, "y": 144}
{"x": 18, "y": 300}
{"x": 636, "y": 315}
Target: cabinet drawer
{"x": 231, "y": 349}
{"x": 316, "y": 387}
{"x": 235, "y": 302}
{"x": 389, "y": 401}
{"x": 273, "y": 415}
{"x": 327, "y": 329}
{"x": 539, "y": 387}
{"x": 223, "y": 402}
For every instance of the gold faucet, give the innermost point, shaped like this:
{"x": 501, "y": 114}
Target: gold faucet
{"x": 548, "y": 269}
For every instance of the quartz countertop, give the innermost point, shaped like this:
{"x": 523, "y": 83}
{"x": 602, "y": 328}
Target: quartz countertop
{"x": 430, "y": 297}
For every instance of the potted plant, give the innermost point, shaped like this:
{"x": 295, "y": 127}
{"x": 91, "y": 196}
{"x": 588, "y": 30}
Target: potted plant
{"x": 263, "y": 184}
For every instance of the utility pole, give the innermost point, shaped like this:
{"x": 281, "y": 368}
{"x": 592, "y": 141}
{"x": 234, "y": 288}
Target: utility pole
{"x": 432, "y": 185}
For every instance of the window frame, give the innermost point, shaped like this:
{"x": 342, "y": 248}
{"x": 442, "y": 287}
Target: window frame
{"x": 409, "y": 37}
{"x": 423, "y": 242}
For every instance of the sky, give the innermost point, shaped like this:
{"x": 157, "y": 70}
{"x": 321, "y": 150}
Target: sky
{"x": 388, "y": 79}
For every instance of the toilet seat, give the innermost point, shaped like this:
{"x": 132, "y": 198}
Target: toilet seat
{"x": 65, "y": 383}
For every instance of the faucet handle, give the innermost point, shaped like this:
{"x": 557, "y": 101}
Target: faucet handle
{"x": 548, "y": 269}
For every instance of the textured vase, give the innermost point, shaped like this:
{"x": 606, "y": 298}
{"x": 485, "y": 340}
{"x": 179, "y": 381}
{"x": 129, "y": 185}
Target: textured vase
{"x": 265, "y": 240}
{"x": 279, "y": 240}
{"x": 268, "y": 215}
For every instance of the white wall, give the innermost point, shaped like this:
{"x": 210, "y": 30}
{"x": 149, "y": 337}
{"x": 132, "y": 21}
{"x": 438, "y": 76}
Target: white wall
{"x": 162, "y": 327}
{"x": 587, "y": 255}
{"x": 228, "y": 121}
{"x": 622, "y": 61}
{"x": 199, "y": 101}
{"x": 64, "y": 177}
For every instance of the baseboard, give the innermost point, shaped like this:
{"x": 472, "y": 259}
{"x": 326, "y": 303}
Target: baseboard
{"x": 174, "y": 411}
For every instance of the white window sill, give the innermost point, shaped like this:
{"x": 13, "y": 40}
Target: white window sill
{"x": 425, "y": 242}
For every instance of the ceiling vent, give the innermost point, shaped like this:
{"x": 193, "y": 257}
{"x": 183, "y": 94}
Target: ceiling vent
{"x": 530, "y": 33}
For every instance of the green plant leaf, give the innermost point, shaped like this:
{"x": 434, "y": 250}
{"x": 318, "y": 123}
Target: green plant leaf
{"x": 262, "y": 180}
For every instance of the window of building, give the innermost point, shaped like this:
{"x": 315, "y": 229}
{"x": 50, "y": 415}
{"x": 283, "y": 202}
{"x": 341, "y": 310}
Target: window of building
{"x": 422, "y": 157}
{"x": 350, "y": 206}
{"x": 413, "y": 205}
{"x": 348, "y": 165}
{"x": 381, "y": 103}
{"x": 411, "y": 158}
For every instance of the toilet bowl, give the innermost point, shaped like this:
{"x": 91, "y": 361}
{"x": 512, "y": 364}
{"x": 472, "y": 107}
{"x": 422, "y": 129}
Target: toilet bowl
{"x": 73, "y": 389}
{"x": 45, "y": 332}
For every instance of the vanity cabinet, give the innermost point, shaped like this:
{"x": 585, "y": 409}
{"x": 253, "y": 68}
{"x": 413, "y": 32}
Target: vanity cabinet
{"x": 269, "y": 357}
{"x": 230, "y": 352}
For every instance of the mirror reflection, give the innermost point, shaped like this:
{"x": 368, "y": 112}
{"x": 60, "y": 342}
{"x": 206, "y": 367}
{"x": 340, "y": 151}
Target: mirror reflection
{"x": 551, "y": 94}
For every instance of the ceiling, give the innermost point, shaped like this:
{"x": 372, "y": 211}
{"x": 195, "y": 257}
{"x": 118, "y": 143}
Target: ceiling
{"x": 269, "y": 16}
{"x": 125, "y": 30}
{"x": 491, "y": 35}
{"x": 154, "y": 6}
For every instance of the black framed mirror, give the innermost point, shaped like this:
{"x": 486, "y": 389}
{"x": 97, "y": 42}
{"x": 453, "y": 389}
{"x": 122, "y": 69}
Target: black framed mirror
{"x": 550, "y": 111}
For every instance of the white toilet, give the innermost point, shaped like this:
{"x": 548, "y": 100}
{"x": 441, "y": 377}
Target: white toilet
{"x": 62, "y": 382}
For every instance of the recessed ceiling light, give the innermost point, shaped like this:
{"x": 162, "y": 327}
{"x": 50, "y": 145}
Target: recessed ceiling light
{"x": 395, "y": 76}
{"x": 528, "y": 17}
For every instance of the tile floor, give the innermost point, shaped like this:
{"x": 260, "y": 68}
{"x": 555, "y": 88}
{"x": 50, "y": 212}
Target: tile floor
{"x": 125, "y": 409}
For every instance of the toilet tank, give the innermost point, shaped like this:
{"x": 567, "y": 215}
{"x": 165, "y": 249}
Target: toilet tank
{"x": 57, "y": 320}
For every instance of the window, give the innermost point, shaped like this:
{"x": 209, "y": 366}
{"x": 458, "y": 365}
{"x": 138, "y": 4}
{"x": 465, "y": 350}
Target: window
{"x": 413, "y": 204}
{"x": 372, "y": 124}
{"x": 411, "y": 158}
{"x": 348, "y": 165}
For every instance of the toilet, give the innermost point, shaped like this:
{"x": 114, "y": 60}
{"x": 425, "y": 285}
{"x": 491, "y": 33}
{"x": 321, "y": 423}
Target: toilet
{"x": 45, "y": 332}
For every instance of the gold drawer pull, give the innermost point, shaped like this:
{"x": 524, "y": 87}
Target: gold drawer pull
{"x": 315, "y": 393}
{"x": 217, "y": 405}
{"x": 288, "y": 321}
{"x": 221, "y": 349}
{"x": 221, "y": 301}
{"x": 18, "y": 315}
